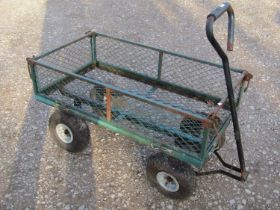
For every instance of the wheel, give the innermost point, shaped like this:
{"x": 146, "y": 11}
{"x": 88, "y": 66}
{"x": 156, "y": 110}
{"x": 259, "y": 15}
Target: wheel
{"x": 71, "y": 133}
{"x": 195, "y": 128}
{"x": 98, "y": 93}
{"x": 172, "y": 177}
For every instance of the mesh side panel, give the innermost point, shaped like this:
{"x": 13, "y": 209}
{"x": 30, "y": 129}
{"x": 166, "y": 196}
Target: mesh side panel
{"x": 177, "y": 70}
{"x": 162, "y": 126}
{"x": 158, "y": 95}
{"x": 70, "y": 58}
{"x": 135, "y": 58}
{"x": 45, "y": 77}
{"x": 198, "y": 76}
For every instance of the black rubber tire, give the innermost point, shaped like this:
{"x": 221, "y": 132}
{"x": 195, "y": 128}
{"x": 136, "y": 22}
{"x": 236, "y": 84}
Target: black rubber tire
{"x": 78, "y": 127}
{"x": 181, "y": 171}
{"x": 98, "y": 93}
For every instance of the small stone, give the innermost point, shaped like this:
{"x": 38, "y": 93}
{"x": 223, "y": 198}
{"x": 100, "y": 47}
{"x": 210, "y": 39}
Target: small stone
{"x": 232, "y": 202}
{"x": 113, "y": 196}
{"x": 252, "y": 107}
{"x": 276, "y": 192}
{"x": 244, "y": 201}
{"x": 240, "y": 207}
{"x": 67, "y": 207}
{"x": 270, "y": 163}
{"x": 8, "y": 196}
{"x": 59, "y": 204}
{"x": 247, "y": 191}
{"x": 193, "y": 198}
{"x": 268, "y": 202}
{"x": 48, "y": 167}
{"x": 82, "y": 207}
{"x": 170, "y": 207}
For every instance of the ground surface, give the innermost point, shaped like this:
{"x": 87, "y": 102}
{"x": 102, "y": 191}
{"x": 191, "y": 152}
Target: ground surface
{"x": 110, "y": 174}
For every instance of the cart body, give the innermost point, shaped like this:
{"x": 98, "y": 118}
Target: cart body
{"x": 151, "y": 91}
{"x": 172, "y": 103}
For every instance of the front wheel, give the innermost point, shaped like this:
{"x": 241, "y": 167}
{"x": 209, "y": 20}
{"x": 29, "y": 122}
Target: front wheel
{"x": 70, "y": 132}
{"x": 172, "y": 177}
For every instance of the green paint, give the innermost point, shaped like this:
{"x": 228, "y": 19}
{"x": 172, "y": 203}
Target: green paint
{"x": 127, "y": 93}
{"x": 196, "y": 160}
{"x": 158, "y": 83}
{"x": 159, "y": 65}
{"x": 141, "y": 139}
{"x": 65, "y": 80}
{"x": 167, "y": 52}
{"x": 204, "y": 152}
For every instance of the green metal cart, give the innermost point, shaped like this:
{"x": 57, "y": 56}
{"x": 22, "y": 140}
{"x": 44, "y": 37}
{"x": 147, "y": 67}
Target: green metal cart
{"x": 175, "y": 104}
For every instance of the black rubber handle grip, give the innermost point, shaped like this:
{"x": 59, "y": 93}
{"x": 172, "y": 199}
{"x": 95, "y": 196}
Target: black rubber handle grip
{"x": 212, "y": 17}
{"x": 220, "y": 10}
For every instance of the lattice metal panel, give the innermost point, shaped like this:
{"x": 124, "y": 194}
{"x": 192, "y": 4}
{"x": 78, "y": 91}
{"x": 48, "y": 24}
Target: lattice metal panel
{"x": 129, "y": 56}
{"x": 71, "y": 57}
{"x": 198, "y": 76}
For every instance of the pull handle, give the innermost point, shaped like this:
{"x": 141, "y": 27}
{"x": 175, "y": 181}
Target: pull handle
{"x": 212, "y": 17}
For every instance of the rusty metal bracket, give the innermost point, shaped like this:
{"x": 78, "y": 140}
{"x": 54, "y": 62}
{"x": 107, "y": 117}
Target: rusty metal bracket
{"x": 247, "y": 79}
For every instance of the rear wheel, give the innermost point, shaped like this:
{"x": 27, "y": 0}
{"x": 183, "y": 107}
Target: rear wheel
{"x": 172, "y": 177}
{"x": 71, "y": 133}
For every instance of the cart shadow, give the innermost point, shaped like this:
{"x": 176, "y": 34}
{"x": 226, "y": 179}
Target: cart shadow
{"x": 42, "y": 175}
{"x": 25, "y": 174}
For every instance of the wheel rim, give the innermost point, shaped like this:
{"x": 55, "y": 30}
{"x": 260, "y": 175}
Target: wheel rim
{"x": 64, "y": 133}
{"x": 167, "y": 181}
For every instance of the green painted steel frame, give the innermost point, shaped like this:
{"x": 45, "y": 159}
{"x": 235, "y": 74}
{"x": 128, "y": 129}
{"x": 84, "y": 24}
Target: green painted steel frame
{"x": 141, "y": 139}
{"x": 41, "y": 96}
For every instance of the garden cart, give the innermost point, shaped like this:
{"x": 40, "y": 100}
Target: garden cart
{"x": 177, "y": 105}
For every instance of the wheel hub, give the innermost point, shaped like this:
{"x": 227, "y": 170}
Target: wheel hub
{"x": 167, "y": 181}
{"x": 64, "y": 133}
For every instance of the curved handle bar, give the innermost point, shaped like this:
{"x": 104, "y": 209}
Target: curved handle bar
{"x": 212, "y": 17}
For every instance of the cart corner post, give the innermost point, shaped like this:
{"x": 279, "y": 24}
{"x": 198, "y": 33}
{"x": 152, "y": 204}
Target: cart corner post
{"x": 160, "y": 55}
{"x": 203, "y": 152}
{"x": 211, "y": 18}
{"x": 93, "y": 36}
{"x": 32, "y": 74}
{"x": 108, "y": 104}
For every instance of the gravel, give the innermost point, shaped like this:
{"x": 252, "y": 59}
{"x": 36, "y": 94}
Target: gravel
{"x": 110, "y": 173}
